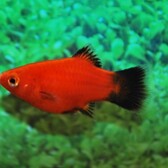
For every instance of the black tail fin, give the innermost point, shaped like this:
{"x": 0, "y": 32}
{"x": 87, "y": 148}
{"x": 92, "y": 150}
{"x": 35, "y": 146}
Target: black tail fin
{"x": 132, "y": 90}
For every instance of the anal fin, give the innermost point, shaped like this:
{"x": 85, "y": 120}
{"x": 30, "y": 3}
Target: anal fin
{"x": 88, "y": 110}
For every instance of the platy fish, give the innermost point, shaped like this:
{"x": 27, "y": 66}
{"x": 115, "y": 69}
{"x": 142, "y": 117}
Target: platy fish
{"x": 74, "y": 84}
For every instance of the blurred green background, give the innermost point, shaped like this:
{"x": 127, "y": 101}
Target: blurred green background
{"x": 123, "y": 34}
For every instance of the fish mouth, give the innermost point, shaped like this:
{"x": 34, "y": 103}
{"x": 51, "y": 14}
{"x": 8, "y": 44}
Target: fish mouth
{"x": 0, "y": 77}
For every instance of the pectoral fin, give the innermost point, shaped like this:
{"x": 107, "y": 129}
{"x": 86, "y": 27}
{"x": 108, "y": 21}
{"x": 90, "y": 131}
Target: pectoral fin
{"x": 47, "y": 96}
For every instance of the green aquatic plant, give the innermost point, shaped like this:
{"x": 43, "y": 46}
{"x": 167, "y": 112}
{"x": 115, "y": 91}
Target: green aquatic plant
{"x": 123, "y": 34}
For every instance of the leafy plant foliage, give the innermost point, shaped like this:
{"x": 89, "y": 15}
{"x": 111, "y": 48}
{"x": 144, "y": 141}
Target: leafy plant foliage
{"x": 123, "y": 34}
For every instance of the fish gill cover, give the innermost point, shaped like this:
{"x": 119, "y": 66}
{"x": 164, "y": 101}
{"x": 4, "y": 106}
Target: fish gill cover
{"x": 123, "y": 34}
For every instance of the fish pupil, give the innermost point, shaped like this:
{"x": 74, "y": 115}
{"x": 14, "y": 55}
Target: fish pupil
{"x": 12, "y": 81}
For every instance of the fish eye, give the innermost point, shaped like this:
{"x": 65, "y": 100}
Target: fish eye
{"x": 13, "y": 81}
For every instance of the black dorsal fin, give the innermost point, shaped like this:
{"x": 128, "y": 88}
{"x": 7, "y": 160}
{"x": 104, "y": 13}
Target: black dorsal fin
{"x": 88, "y": 110}
{"x": 88, "y": 54}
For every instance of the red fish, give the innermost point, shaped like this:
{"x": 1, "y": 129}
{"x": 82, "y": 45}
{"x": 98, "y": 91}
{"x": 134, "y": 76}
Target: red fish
{"x": 74, "y": 84}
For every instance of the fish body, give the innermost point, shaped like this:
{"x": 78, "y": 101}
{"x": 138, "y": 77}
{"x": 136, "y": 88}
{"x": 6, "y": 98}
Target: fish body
{"x": 72, "y": 84}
